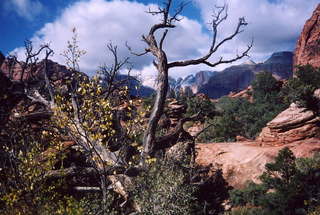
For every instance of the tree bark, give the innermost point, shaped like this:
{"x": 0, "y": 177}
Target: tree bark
{"x": 158, "y": 107}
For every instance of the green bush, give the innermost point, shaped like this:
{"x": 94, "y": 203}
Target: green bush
{"x": 300, "y": 89}
{"x": 289, "y": 186}
{"x": 162, "y": 190}
{"x": 173, "y": 188}
{"x": 196, "y": 104}
{"x": 265, "y": 87}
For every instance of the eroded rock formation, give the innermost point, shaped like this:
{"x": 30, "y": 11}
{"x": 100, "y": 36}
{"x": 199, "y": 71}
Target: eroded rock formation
{"x": 308, "y": 45}
{"x": 294, "y": 123}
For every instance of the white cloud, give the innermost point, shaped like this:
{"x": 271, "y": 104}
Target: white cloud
{"x": 99, "y": 22}
{"x": 24, "y": 8}
{"x": 274, "y": 25}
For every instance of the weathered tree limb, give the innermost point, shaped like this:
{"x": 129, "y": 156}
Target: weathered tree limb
{"x": 214, "y": 48}
{"x": 150, "y": 142}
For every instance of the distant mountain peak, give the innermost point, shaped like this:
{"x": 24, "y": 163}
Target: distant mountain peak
{"x": 249, "y": 62}
{"x": 238, "y": 77}
{"x": 280, "y": 57}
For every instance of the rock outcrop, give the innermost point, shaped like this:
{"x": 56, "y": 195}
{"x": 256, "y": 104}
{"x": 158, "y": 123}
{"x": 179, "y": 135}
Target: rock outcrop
{"x": 296, "y": 127}
{"x": 192, "y": 82}
{"x": 308, "y": 46}
{"x": 244, "y": 161}
{"x": 232, "y": 79}
{"x": 293, "y": 124}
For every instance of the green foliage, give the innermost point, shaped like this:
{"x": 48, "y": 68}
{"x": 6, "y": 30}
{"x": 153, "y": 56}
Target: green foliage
{"x": 245, "y": 211}
{"x": 212, "y": 192}
{"x": 308, "y": 75}
{"x": 265, "y": 86}
{"x": 289, "y": 186}
{"x": 300, "y": 89}
{"x": 249, "y": 195}
{"x": 238, "y": 116}
{"x": 196, "y": 104}
{"x": 170, "y": 188}
{"x": 163, "y": 190}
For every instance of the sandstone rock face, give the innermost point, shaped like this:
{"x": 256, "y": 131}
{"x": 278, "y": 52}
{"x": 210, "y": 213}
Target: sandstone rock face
{"x": 244, "y": 161}
{"x": 191, "y": 82}
{"x": 308, "y": 45}
{"x": 294, "y": 123}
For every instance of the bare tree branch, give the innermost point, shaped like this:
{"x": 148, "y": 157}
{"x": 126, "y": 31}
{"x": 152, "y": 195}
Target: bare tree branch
{"x": 213, "y": 48}
{"x": 146, "y": 51}
{"x": 163, "y": 38}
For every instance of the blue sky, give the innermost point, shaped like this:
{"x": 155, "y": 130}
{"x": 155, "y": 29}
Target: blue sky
{"x": 21, "y": 20}
{"x": 20, "y": 26}
{"x": 273, "y": 24}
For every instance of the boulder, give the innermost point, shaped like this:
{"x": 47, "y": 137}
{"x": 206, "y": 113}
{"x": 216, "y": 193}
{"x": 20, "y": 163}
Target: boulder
{"x": 195, "y": 129}
{"x": 293, "y": 124}
{"x": 244, "y": 161}
{"x": 308, "y": 46}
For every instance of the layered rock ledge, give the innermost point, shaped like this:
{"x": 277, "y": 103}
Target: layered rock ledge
{"x": 293, "y": 124}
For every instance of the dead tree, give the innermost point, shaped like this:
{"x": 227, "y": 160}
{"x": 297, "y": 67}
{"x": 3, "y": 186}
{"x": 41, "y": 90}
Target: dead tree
{"x": 155, "y": 47}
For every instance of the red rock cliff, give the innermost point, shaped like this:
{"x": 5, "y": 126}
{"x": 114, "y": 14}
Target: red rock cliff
{"x": 308, "y": 46}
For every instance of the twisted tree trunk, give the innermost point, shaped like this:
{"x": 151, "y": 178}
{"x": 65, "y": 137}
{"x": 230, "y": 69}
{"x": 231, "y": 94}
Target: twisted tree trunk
{"x": 158, "y": 107}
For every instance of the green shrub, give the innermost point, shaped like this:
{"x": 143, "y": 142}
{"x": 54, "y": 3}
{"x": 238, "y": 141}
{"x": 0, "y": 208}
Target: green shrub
{"x": 265, "y": 87}
{"x": 196, "y": 104}
{"x": 174, "y": 188}
{"x": 300, "y": 89}
{"x": 163, "y": 190}
{"x": 246, "y": 211}
{"x": 289, "y": 186}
